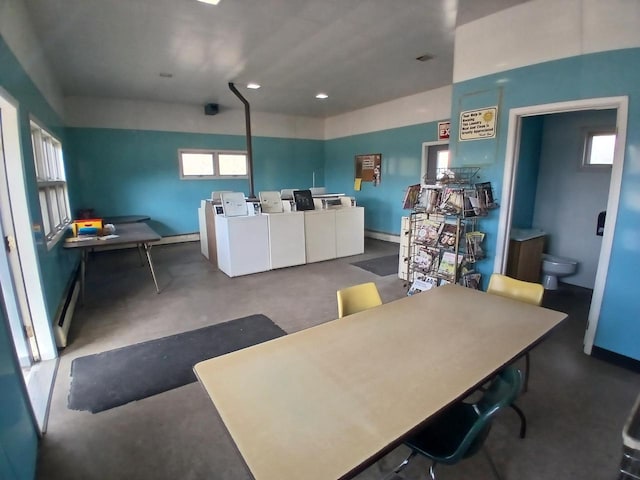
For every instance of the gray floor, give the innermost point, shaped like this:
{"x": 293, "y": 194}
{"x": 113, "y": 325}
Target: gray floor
{"x": 576, "y": 405}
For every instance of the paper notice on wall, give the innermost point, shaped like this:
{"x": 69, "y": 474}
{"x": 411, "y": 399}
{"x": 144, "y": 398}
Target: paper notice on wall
{"x": 478, "y": 124}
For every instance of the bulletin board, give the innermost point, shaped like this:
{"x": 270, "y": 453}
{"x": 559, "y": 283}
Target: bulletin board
{"x": 368, "y": 169}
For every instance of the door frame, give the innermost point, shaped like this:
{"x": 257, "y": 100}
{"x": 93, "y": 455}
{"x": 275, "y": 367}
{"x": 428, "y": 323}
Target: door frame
{"x": 621, "y": 105}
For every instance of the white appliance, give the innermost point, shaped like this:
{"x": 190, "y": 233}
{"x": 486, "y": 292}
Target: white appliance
{"x": 242, "y": 244}
{"x": 234, "y": 204}
{"x": 202, "y": 223}
{"x": 271, "y": 202}
{"x": 349, "y": 231}
{"x": 320, "y": 234}
{"x": 286, "y": 239}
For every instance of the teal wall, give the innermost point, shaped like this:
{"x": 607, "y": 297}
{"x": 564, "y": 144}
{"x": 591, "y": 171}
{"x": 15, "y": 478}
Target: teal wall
{"x": 123, "y": 172}
{"x": 527, "y": 175}
{"x": 18, "y": 438}
{"x": 56, "y": 265}
{"x": 401, "y": 150}
{"x": 615, "y": 73}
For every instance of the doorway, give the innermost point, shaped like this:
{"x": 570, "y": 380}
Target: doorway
{"x": 435, "y": 157}
{"x": 514, "y": 143}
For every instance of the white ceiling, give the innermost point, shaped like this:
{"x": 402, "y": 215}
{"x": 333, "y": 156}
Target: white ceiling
{"x": 360, "y": 52}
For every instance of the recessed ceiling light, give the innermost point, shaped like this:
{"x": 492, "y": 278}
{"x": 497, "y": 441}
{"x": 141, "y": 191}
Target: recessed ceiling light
{"x": 424, "y": 58}
{"x": 166, "y": 75}
{"x": 210, "y": 2}
{"x": 322, "y": 96}
{"x": 253, "y": 86}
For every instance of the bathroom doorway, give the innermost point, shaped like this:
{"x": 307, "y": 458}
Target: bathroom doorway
{"x": 522, "y": 122}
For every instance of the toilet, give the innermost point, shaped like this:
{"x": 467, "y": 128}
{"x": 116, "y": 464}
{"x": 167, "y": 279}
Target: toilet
{"x": 554, "y": 267}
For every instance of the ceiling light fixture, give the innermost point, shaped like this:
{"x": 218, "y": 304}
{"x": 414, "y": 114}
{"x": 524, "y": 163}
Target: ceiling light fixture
{"x": 253, "y": 86}
{"x": 322, "y": 96}
{"x": 424, "y": 58}
{"x": 210, "y": 2}
{"x": 165, "y": 75}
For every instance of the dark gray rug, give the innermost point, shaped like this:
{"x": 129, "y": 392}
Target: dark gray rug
{"x": 110, "y": 379}
{"x": 381, "y": 266}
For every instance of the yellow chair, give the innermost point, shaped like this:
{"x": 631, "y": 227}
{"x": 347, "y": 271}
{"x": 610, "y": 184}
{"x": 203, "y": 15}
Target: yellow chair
{"x": 527, "y": 292}
{"x": 357, "y": 298}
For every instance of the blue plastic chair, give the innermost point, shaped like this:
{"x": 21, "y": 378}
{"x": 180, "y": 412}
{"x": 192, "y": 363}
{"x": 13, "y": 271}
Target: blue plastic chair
{"x": 461, "y": 430}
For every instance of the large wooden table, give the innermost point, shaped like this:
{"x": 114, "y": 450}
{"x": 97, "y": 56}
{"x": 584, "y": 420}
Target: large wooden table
{"x": 139, "y": 234}
{"x": 326, "y": 402}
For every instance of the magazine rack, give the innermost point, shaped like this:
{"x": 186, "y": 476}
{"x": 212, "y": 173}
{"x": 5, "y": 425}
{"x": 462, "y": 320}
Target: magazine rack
{"x": 443, "y": 238}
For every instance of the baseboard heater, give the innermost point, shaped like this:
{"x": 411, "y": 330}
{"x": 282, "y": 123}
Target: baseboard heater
{"x": 65, "y": 315}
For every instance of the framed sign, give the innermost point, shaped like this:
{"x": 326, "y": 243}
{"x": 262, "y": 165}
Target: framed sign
{"x": 478, "y": 124}
{"x": 368, "y": 168}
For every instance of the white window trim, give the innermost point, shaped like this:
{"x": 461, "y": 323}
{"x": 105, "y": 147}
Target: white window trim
{"x": 588, "y": 134}
{"x": 50, "y": 175}
{"x": 216, "y": 168}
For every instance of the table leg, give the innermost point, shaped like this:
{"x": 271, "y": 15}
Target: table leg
{"x": 147, "y": 249}
{"x": 83, "y": 267}
{"x": 140, "y": 255}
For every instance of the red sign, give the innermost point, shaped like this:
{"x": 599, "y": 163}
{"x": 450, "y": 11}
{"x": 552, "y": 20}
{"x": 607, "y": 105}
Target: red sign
{"x": 443, "y": 130}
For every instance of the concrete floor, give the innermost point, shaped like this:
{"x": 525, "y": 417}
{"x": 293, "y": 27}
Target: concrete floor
{"x": 576, "y": 405}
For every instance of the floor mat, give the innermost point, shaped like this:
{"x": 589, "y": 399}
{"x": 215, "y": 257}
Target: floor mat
{"x": 381, "y": 266}
{"x": 110, "y": 379}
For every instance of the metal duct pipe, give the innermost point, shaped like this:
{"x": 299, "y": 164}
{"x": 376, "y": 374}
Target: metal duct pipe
{"x": 247, "y": 120}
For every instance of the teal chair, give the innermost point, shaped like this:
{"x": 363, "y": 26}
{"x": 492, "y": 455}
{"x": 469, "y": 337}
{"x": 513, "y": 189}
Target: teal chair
{"x": 460, "y": 430}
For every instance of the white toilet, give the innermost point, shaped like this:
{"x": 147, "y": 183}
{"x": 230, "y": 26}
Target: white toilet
{"x": 554, "y": 267}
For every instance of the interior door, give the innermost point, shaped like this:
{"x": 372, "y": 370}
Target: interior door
{"x": 11, "y": 279}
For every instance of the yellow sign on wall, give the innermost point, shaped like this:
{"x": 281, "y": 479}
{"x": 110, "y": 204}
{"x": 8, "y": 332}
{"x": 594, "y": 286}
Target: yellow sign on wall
{"x": 478, "y": 124}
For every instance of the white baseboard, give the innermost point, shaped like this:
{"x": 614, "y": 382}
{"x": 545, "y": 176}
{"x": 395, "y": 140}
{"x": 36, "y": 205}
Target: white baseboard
{"x": 387, "y": 237}
{"x": 187, "y": 237}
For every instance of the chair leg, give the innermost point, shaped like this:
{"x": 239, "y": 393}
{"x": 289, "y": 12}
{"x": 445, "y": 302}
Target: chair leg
{"x": 493, "y": 465}
{"x": 403, "y": 464}
{"x": 432, "y": 471}
{"x": 523, "y": 420}
{"x": 527, "y": 365}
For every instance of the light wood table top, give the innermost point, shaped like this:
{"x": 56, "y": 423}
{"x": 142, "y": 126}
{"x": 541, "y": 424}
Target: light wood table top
{"x": 325, "y": 402}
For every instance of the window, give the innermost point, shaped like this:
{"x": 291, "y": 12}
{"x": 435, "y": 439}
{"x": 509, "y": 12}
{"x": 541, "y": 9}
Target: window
{"x": 207, "y": 164}
{"x": 599, "y": 148}
{"x": 52, "y": 184}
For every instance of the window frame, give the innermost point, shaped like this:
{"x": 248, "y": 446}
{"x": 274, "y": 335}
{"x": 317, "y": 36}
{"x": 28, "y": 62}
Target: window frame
{"x": 53, "y": 193}
{"x": 589, "y": 134}
{"x": 216, "y": 164}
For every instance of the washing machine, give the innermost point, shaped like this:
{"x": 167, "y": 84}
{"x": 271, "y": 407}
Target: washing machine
{"x": 242, "y": 241}
{"x": 286, "y": 239}
{"x": 320, "y": 235}
{"x": 349, "y": 231}
{"x": 286, "y": 231}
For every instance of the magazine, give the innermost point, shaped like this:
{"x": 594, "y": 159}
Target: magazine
{"x": 474, "y": 246}
{"x": 448, "y": 235}
{"x": 411, "y": 196}
{"x": 426, "y": 259}
{"x": 448, "y": 264}
{"x": 428, "y": 231}
{"x": 422, "y": 285}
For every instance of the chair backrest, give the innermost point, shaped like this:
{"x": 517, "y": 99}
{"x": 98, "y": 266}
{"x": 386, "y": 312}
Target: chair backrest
{"x": 357, "y": 298}
{"x": 502, "y": 392}
{"x": 528, "y": 292}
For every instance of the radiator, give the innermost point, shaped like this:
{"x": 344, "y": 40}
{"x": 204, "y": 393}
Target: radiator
{"x": 63, "y": 320}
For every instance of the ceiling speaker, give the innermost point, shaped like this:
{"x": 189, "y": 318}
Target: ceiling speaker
{"x": 210, "y": 108}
